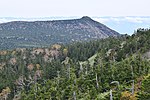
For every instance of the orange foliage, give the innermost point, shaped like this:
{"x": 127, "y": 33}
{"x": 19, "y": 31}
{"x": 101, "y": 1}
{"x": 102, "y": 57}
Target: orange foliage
{"x": 30, "y": 67}
{"x": 3, "y": 52}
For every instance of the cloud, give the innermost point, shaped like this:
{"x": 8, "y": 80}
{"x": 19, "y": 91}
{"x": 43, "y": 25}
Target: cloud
{"x": 134, "y": 19}
{"x": 130, "y": 19}
{"x": 102, "y": 20}
{"x": 9, "y": 19}
{"x": 4, "y": 20}
{"x": 109, "y": 19}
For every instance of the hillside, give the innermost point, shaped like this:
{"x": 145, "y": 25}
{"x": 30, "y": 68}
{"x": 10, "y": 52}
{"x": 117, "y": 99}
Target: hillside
{"x": 117, "y": 68}
{"x": 44, "y": 33}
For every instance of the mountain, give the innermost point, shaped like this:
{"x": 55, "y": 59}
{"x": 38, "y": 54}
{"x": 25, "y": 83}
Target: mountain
{"x": 44, "y": 33}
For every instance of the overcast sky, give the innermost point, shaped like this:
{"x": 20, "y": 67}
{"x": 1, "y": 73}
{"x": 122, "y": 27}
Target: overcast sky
{"x": 124, "y": 16}
{"x": 45, "y": 8}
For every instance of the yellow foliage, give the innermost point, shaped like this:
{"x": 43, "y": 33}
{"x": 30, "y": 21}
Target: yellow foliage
{"x": 65, "y": 52}
{"x": 13, "y": 53}
{"x": 56, "y": 46}
{"x": 126, "y": 95}
{"x": 145, "y": 77}
{"x": 38, "y": 66}
{"x": 4, "y": 93}
{"x": 7, "y": 90}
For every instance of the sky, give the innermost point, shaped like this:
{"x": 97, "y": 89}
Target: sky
{"x": 117, "y": 14}
{"x": 45, "y": 8}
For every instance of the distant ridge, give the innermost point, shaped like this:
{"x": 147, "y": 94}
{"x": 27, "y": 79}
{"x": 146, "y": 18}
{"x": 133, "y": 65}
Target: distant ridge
{"x": 44, "y": 33}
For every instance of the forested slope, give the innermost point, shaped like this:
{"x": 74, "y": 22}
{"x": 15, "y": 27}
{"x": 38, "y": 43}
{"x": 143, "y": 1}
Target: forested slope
{"x": 117, "y": 68}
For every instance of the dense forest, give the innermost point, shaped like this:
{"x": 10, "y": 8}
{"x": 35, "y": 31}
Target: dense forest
{"x": 115, "y": 68}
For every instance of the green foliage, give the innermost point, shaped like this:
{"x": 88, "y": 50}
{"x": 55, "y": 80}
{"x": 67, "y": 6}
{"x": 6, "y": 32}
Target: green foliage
{"x": 144, "y": 94}
{"x": 84, "y": 72}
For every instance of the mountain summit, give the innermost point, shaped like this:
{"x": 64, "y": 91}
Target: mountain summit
{"x": 42, "y": 33}
{"x": 86, "y": 18}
